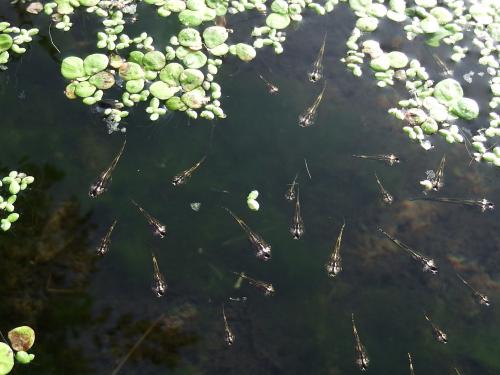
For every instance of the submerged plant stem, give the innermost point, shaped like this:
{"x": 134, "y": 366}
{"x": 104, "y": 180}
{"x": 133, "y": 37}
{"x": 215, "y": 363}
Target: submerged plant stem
{"x": 137, "y": 344}
{"x": 51, "y": 40}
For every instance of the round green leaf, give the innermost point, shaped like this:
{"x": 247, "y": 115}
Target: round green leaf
{"x": 429, "y": 24}
{"x": 245, "y": 52}
{"x": 162, "y": 91}
{"x": 154, "y": 60}
{"x": 277, "y": 21}
{"x": 480, "y": 13}
{"x": 359, "y": 5}
{"x": 72, "y": 68}
{"x": 131, "y": 70}
{"x": 70, "y": 90}
{"x": 448, "y": 90}
{"x": 5, "y": 42}
{"x": 429, "y": 126}
{"x": 465, "y": 108}
{"x": 84, "y": 89}
{"x": 21, "y": 338}
{"x": 136, "y": 57}
{"x": 442, "y": 15}
{"x": 6, "y": 359}
{"x": 190, "y": 79}
{"x": 195, "y": 98}
{"x": 190, "y": 38}
{"x": 89, "y": 3}
{"x": 170, "y": 74}
{"x": 381, "y": 63}
{"x": 215, "y": 36}
{"x": 398, "y": 59}
{"x": 367, "y": 24}
{"x": 195, "y": 4}
{"x": 195, "y": 60}
{"x": 103, "y": 80}
{"x": 279, "y": 6}
{"x": 175, "y": 104}
{"x": 95, "y": 63}
{"x": 181, "y": 52}
{"x": 23, "y": 358}
{"x": 221, "y": 50}
{"x": 134, "y": 86}
{"x": 191, "y": 17}
{"x": 175, "y": 5}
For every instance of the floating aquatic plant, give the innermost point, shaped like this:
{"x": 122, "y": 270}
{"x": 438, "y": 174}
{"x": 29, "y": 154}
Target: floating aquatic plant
{"x": 12, "y": 185}
{"x": 432, "y": 108}
{"x": 12, "y": 39}
{"x": 21, "y": 340}
{"x": 180, "y": 76}
{"x": 252, "y": 200}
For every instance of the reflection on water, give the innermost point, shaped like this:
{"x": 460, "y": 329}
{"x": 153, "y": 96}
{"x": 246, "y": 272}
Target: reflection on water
{"x": 89, "y": 311}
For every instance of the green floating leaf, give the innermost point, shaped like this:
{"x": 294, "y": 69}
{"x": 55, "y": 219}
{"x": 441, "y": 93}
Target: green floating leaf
{"x": 72, "y": 68}
{"x": 154, "y": 60}
{"x": 277, "y": 21}
{"x": 245, "y": 52}
{"x": 95, "y": 63}
{"x": 442, "y": 15}
{"x": 279, "y": 6}
{"x": 170, "y": 74}
{"x": 191, "y": 79}
{"x": 195, "y": 98}
{"x": 448, "y": 91}
{"x": 359, "y": 5}
{"x": 191, "y": 18}
{"x": 367, "y": 24}
{"x": 398, "y": 59}
{"x": 6, "y": 358}
{"x": 465, "y": 108}
{"x": 89, "y": 3}
{"x": 221, "y": 50}
{"x": 436, "y": 37}
{"x": 21, "y": 338}
{"x": 134, "y": 86}
{"x": 195, "y": 4}
{"x": 162, "y": 91}
{"x": 215, "y": 36}
{"x": 85, "y": 89}
{"x": 381, "y": 63}
{"x": 130, "y": 70}
{"x": 175, "y": 5}
{"x": 190, "y": 38}
{"x": 136, "y": 57}
{"x": 5, "y": 42}
{"x": 176, "y": 104}
{"x": 430, "y": 24}
{"x": 254, "y": 194}
{"x": 23, "y": 358}
{"x": 195, "y": 60}
{"x": 102, "y": 80}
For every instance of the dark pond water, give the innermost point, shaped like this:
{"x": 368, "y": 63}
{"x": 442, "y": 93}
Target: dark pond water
{"x": 89, "y": 311}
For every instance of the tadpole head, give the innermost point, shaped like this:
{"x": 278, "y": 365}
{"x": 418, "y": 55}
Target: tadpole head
{"x": 264, "y": 253}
